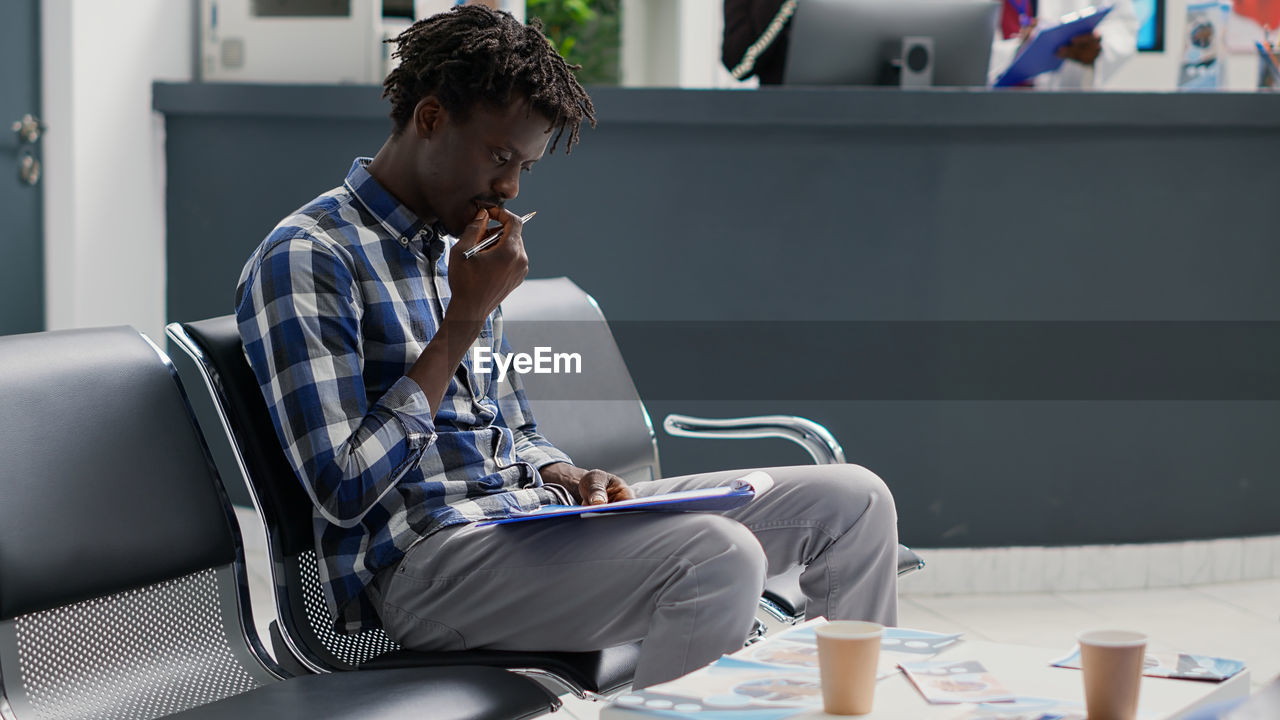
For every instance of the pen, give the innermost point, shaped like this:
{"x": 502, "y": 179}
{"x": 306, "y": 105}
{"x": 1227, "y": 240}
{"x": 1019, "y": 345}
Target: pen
{"x": 471, "y": 251}
{"x": 1024, "y": 12}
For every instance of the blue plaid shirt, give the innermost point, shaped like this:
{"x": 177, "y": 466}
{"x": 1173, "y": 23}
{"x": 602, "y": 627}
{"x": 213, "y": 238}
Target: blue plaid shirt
{"x": 334, "y": 307}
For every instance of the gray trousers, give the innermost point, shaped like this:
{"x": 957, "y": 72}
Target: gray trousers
{"x": 687, "y": 584}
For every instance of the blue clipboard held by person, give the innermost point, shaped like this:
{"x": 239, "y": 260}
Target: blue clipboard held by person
{"x": 1040, "y": 54}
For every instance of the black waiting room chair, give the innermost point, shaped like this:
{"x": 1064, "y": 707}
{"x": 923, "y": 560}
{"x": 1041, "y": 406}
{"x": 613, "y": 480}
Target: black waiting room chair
{"x": 611, "y": 431}
{"x": 123, "y": 592}
{"x": 303, "y": 637}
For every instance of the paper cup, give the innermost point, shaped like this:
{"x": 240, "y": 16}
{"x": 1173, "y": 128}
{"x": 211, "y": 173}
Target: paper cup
{"x": 1112, "y": 669}
{"x": 847, "y": 655}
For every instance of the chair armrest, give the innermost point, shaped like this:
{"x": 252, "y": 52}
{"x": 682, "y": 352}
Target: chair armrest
{"x": 815, "y": 439}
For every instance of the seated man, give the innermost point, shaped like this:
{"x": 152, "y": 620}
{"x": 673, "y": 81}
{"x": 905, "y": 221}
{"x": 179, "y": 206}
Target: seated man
{"x": 357, "y": 313}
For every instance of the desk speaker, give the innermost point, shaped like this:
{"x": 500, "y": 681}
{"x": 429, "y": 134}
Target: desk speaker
{"x": 917, "y": 62}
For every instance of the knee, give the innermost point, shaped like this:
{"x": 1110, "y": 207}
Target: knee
{"x": 860, "y": 485}
{"x": 847, "y": 493}
{"x": 725, "y": 553}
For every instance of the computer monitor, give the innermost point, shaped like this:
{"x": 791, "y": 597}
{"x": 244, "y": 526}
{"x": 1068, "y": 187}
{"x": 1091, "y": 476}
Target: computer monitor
{"x": 860, "y": 42}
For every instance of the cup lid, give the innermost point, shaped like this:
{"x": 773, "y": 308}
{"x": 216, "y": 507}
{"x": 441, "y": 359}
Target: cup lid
{"x": 1112, "y": 638}
{"x": 849, "y": 629}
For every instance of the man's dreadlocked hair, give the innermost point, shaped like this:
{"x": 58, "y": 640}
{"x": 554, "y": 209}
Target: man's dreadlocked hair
{"x": 472, "y": 55}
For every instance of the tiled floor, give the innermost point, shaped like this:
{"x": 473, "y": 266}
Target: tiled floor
{"x": 1229, "y": 619}
{"x": 1235, "y": 620}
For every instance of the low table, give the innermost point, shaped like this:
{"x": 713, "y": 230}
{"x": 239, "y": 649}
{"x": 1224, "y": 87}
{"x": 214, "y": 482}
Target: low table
{"x": 1024, "y": 670}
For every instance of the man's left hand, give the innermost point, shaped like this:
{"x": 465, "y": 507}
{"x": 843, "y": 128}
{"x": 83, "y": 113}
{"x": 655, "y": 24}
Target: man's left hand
{"x": 588, "y": 487}
{"x": 1084, "y": 49}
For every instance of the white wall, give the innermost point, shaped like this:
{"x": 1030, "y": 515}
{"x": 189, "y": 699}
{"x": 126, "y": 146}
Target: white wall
{"x": 674, "y": 43}
{"x": 104, "y": 157}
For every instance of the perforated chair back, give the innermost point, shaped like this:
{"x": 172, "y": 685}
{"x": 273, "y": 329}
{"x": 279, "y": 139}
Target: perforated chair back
{"x": 121, "y": 577}
{"x": 214, "y": 347}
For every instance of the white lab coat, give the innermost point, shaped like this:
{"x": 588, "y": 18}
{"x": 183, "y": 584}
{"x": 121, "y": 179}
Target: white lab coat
{"x": 1119, "y": 32}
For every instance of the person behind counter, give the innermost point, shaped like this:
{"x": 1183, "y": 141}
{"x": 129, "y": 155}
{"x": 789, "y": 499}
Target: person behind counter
{"x": 755, "y": 38}
{"x": 1091, "y": 59}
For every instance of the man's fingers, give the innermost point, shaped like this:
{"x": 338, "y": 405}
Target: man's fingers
{"x": 513, "y": 229}
{"x": 599, "y": 487}
{"x": 619, "y": 489}
{"x": 595, "y": 491}
{"x": 474, "y": 232}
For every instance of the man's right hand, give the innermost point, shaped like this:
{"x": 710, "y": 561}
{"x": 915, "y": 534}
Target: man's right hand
{"x": 480, "y": 283}
{"x": 476, "y": 285}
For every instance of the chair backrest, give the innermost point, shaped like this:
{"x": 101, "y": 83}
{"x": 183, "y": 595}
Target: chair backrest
{"x": 595, "y": 416}
{"x": 213, "y": 350}
{"x": 122, "y": 586}
{"x": 603, "y": 424}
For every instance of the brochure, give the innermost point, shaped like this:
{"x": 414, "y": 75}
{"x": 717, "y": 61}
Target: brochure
{"x": 772, "y": 679}
{"x": 797, "y": 650}
{"x": 1203, "y": 49}
{"x": 950, "y": 681}
{"x": 1023, "y": 708}
{"x": 1174, "y": 665}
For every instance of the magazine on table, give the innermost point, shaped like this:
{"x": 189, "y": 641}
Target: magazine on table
{"x": 956, "y": 681}
{"x": 1023, "y": 708}
{"x": 1181, "y": 666}
{"x": 774, "y": 678}
{"x": 797, "y": 649}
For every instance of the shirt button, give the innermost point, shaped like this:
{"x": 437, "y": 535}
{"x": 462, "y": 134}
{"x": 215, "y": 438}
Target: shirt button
{"x": 404, "y": 241}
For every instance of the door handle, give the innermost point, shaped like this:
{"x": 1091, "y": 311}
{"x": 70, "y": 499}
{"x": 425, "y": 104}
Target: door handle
{"x": 29, "y": 129}
{"x": 28, "y": 168}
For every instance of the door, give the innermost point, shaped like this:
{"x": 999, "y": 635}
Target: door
{"x": 21, "y": 225}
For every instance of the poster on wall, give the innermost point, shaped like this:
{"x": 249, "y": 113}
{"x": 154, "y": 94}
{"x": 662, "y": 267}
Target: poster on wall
{"x": 1249, "y": 20}
{"x": 1203, "y": 46}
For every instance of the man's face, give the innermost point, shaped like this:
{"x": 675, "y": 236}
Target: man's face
{"x": 476, "y": 162}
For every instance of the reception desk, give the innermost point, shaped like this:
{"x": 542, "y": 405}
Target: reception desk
{"x": 1041, "y": 318}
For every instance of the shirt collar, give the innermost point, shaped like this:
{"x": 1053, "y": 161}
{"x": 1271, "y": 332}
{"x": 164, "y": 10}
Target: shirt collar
{"x": 399, "y": 220}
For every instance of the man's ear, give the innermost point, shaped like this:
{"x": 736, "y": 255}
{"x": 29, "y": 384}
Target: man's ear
{"x": 427, "y": 116}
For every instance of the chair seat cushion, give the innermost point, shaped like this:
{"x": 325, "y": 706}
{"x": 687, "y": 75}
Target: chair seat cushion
{"x": 454, "y": 693}
{"x": 601, "y": 672}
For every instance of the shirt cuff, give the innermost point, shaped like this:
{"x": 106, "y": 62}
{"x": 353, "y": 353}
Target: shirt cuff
{"x": 408, "y": 404}
{"x": 541, "y": 456}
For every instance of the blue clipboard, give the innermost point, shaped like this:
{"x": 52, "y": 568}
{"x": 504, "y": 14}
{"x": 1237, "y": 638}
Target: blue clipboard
{"x": 1041, "y": 53}
{"x": 739, "y": 492}
{"x": 1269, "y": 62}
